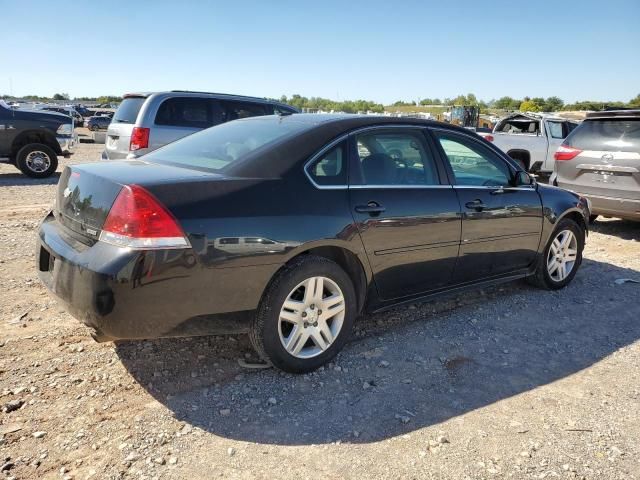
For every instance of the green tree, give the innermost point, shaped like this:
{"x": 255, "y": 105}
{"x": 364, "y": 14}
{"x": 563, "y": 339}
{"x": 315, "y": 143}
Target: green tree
{"x": 61, "y": 96}
{"x": 635, "y": 102}
{"x": 553, "y": 104}
{"x": 529, "y": 106}
{"x": 507, "y": 103}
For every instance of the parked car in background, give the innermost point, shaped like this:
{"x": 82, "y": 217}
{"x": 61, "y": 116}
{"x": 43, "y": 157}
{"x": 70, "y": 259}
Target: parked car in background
{"x": 103, "y": 113}
{"x": 531, "y": 139}
{"x": 146, "y": 121}
{"x": 32, "y": 140}
{"x": 78, "y": 120}
{"x": 601, "y": 160}
{"x": 287, "y": 227}
{"x": 97, "y": 123}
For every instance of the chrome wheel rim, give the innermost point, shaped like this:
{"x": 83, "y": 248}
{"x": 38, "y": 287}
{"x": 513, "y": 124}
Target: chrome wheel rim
{"x": 38, "y": 161}
{"x": 311, "y": 317}
{"x": 562, "y": 255}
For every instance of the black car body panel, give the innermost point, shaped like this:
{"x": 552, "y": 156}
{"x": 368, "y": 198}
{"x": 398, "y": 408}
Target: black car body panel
{"x": 247, "y": 222}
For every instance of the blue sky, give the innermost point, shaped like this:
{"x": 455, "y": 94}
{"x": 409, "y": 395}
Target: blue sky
{"x": 375, "y": 50}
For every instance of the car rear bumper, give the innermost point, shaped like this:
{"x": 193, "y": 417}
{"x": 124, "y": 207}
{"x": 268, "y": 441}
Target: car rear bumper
{"x": 122, "y": 293}
{"x": 614, "y": 207}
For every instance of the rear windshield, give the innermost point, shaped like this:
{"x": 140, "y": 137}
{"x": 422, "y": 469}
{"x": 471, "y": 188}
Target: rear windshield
{"x": 128, "y": 110}
{"x": 218, "y": 147}
{"x": 615, "y": 135}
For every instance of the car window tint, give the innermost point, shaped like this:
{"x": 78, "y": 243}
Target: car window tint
{"x": 235, "y": 110}
{"x": 555, "y": 129}
{"x": 128, "y": 110}
{"x": 185, "y": 112}
{"x": 395, "y": 158}
{"x": 331, "y": 167}
{"x": 614, "y": 135}
{"x": 472, "y": 163}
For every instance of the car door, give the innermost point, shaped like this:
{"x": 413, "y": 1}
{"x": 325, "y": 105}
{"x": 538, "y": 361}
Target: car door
{"x": 501, "y": 222}
{"x": 406, "y": 213}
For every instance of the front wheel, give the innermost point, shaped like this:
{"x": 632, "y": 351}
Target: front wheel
{"x": 37, "y": 160}
{"x": 306, "y": 315}
{"x": 561, "y": 258}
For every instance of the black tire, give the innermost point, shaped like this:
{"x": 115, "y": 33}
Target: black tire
{"x": 23, "y": 164}
{"x": 542, "y": 278}
{"x": 264, "y": 330}
{"x": 593, "y": 218}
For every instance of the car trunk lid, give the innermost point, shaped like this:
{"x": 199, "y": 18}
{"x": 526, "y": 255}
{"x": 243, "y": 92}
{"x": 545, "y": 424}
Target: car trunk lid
{"x": 608, "y": 164}
{"x": 86, "y": 192}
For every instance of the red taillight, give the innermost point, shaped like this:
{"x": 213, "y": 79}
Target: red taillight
{"x": 488, "y": 138}
{"x": 566, "y": 153}
{"x": 138, "y": 220}
{"x": 139, "y": 138}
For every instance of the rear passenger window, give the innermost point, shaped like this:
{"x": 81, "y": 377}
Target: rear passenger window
{"x": 236, "y": 110}
{"x": 395, "y": 158}
{"x": 188, "y": 112}
{"x": 331, "y": 167}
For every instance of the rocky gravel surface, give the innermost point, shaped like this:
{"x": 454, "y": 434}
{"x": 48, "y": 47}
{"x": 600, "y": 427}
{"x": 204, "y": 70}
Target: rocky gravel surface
{"x": 507, "y": 382}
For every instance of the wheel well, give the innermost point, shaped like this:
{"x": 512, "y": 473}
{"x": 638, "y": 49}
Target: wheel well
{"x": 34, "y": 136}
{"x": 578, "y": 218}
{"x": 522, "y": 155}
{"x": 349, "y": 262}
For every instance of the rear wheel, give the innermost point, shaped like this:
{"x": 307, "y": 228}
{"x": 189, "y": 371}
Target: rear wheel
{"x": 37, "y": 160}
{"x": 561, "y": 257}
{"x": 306, "y": 315}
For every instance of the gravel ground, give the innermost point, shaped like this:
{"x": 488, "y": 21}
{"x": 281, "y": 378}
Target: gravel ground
{"x": 507, "y": 382}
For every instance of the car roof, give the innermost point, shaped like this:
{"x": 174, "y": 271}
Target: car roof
{"x": 320, "y": 130}
{"x": 187, "y": 93}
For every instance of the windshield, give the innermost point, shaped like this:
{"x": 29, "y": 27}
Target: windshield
{"x": 215, "y": 148}
{"x": 128, "y": 110}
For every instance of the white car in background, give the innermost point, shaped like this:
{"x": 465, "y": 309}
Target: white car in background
{"x": 531, "y": 139}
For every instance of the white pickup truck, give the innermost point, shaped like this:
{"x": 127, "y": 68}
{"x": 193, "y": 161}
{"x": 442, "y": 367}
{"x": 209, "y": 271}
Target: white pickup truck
{"x": 531, "y": 139}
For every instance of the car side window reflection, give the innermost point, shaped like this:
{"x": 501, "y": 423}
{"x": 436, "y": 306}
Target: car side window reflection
{"x": 331, "y": 167}
{"x": 472, "y": 164}
{"x": 395, "y": 158}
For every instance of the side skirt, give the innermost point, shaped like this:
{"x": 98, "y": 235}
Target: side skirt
{"x": 449, "y": 291}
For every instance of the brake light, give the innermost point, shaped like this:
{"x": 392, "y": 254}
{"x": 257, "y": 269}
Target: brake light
{"x": 488, "y": 138}
{"x": 566, "y": 153}
{"x": 139, "y": 138}
{"x": 138, "y": 220}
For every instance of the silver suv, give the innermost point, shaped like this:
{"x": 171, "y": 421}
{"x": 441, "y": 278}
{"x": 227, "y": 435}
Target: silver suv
{"x": 600, "y": 160}
{"x": 146, "y": 121}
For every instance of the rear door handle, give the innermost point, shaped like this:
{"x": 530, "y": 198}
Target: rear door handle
{"x": 372, "y": 208}
{"x": 477, "y": 205}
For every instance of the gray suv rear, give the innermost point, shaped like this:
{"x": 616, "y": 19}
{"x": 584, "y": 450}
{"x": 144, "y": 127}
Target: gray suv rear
{"x": 146, "y": 121}
{"x": 600, "y": 160}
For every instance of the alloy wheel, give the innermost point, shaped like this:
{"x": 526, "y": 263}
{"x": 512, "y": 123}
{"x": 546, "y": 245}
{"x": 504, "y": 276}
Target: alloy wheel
{"x": 562, "y": 255}
{"x": 38, "y": 161}
{"x": 311, "y": 317}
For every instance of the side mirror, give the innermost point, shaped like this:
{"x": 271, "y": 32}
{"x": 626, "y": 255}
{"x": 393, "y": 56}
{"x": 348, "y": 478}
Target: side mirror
{"x": 523, "y": 179}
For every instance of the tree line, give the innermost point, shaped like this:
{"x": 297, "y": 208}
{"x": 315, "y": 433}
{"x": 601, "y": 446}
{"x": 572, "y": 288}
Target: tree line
{"x": 526, "y": 104}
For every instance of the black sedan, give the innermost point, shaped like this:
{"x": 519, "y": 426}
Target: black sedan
{"x": 288, "y": 227}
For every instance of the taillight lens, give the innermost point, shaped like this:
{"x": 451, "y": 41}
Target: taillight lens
{"x": 488, "y": 138}
{"x": 138, "y": 220}
{"x": 566, "y": 153}
{"x": 139, "y": 138}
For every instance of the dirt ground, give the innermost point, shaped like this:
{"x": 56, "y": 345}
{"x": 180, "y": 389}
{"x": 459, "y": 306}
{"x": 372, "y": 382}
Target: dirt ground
{"x": 508, "y": 382}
